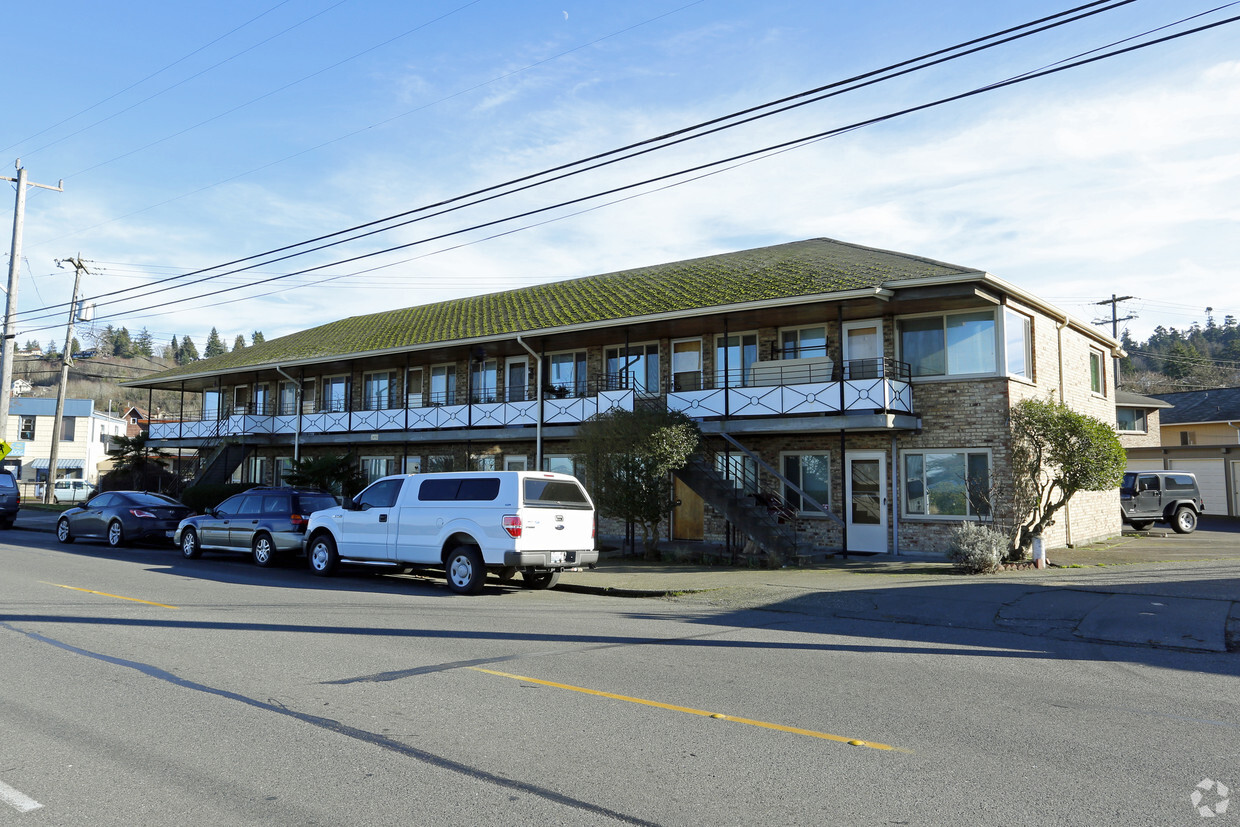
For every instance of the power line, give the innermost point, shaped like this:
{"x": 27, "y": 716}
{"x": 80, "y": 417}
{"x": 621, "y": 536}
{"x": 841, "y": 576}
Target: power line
{"x": 663, "y": 141}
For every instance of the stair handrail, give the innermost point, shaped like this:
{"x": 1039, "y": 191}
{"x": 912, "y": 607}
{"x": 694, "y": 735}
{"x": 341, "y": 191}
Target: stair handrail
{"x": 764, "y": 465}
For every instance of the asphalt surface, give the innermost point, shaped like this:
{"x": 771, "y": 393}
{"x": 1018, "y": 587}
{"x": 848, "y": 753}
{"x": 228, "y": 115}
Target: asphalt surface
{"x": 1154, "y": 588}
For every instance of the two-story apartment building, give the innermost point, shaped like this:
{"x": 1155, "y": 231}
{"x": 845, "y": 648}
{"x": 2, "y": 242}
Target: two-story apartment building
{"x": 84, "y": 441}
{"x": 857, "y": 397}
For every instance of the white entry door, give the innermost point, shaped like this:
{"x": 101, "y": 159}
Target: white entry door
{"x": 865, "y": 483}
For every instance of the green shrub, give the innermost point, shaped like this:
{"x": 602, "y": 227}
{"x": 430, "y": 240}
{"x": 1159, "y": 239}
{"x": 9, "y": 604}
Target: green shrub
{"x": 976, "y": 548}
{"x": 208, "y": 495}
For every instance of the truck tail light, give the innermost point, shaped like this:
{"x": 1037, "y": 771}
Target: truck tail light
{"x": 512, "y": 524}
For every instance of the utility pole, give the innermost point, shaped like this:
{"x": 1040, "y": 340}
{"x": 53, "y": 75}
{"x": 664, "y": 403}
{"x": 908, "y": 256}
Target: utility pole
{"x": 66, "y": 358}
{"x": 8, "y": 348}
{"x": 1114, "y": 301}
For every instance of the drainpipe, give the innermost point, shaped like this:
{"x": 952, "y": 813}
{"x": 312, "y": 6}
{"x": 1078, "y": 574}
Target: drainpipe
{"x": 1067, "y": 509}
{"x": 538, "y": 379}
{"x": 297, "y": 407}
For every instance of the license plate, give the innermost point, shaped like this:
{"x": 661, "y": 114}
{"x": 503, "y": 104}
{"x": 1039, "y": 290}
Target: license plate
{"x": 557, "y": 558}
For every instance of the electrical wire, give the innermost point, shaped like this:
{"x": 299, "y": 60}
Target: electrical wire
{"x": 645, "y": 146}
{"x": 702, "y": 168}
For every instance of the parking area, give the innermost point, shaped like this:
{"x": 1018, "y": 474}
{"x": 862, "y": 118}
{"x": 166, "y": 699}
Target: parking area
{"x": 1216, "y": 538}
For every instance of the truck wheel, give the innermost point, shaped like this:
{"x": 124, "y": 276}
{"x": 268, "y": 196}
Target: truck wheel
{"x": 190, "y": 549}
{"x": 465, "y": 569}
{"x": 539, "y": 579}
{"x": 1184, "y": 521}
{"x": 322, "y": 555}
{"x": 1141, "y": 525}
{"x": 263, "y": 551}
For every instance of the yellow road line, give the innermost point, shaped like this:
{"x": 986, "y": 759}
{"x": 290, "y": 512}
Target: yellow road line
{"x": 690, "y": 711}
{"x": 105, "y": 594}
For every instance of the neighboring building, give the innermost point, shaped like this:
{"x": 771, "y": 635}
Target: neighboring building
{"x": 1200, "y": 433}
{"x": 876, "y": 383}
{"x": 1138, "y": 419}
{"x": 137, "y": 421}
{"x": 20, "y": 386}
{"x": 85, "y": 438}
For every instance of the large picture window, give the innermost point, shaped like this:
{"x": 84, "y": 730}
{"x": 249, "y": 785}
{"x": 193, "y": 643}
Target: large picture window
{"x": 1130, "y": 419}
{"x": 803, "y": 343}
{"x": 377, "y": 390}
{"x": 335, "y": 393}
{"x": 566, "y": 374}
{"x": 947, "y": 483}
{"x": 955, "y": 344}
{"x": 443, "y": 384}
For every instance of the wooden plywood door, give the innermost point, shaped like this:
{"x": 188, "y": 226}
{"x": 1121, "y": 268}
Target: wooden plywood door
{"x": 687, "y": 516}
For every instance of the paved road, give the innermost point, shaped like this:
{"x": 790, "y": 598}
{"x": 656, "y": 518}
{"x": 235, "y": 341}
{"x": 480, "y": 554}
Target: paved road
{"x": 140, "y": 688}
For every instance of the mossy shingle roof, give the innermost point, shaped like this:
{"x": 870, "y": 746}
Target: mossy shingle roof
{"x": 784, "y": 271}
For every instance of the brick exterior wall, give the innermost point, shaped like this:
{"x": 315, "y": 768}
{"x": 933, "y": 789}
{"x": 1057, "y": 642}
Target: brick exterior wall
{"x": 957, "y": 414}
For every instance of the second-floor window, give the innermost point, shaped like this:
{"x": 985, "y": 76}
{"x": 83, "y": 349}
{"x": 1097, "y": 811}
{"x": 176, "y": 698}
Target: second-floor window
{"x": 635, "y": 367}
{"x": 335, "y": 393}
{"x": 953, "y": 344}
{"x": 482, "y": 381}
{"x": 803, "y": 343}
{"x": 287, "y": 399}
{"x": 734, "y": 356}
{"x": 566, "y": 374}
{"x": 68, "y": 429}
{"x": 377, "y": 390}
{"x": 27, "y": 428}
{"x": 1018, "y": 341}
{"x": 413, "y": 388}
{"x": 1097, "y": 372}
{"x": 443, "y": 384}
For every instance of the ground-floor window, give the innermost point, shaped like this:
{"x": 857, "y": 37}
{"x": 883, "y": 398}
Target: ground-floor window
{"x": 560, "y": 464}
{"x": 376, "y": 467}
{"x": 482, "y": 462}
{"x": 437, "y": 463}
{"x": 281, "y": 470}
{"x": 516, "y": 462}
{"x": 811, "y": 471}
{"x": 946, "y": 483}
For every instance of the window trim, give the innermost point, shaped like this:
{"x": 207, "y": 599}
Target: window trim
{"x": 802, "y": 512}
{"x": 997, "y": 344}
{"x": 1100, "y": 358}
{"x": 1026, "y": 321}
{"x": 1143, "y": 416}
{"x": 906, "y": 514}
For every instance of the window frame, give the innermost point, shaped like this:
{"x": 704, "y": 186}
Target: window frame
{"x": 644, "y": 381}
{"x": 27, "y": 427}
{"x": 904, "y": 478}
{"x": 996, "y": 343}
{"x": 1025, "y": 321}
{"x": 373, "y": 400}
{"x": 1097, "y": 372}
{"x": 790, "y": 496}
{"x": 798, "y": 349}
{"x": 328, "y": 402}
{"x": 1140, "y": 419}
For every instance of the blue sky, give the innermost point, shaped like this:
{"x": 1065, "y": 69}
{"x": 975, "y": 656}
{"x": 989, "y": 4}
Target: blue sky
{"x": 190, "y": 135}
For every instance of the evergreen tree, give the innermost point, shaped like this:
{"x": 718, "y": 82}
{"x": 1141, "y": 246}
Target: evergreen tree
{"x": 256, "y": 338}
{"x": 188, "y": 352}
{"x": 74, "y": 346}
{"x": 122, "y": 345}
{"x": 239, "y": 342}
{"x": 215, "y": 345}
{"x": 144, "y": 344}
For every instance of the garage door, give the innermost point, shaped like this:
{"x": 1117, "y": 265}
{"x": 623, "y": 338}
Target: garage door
{"x": 1210, "y": 480}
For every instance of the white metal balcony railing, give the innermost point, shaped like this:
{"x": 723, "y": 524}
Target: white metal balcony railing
{"x": 767, "y": 390}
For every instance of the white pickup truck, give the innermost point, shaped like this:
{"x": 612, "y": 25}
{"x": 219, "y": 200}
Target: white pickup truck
{"x": 530, "y": 522}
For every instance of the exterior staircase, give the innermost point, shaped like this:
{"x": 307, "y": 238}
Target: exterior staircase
{"x": 749, "y": 495}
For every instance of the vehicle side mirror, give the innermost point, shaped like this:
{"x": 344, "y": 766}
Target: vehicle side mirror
{"x": 209, "y": 511}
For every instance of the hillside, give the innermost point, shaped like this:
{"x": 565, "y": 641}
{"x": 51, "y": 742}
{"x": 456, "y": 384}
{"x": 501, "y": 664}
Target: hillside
{"x": 99, "y": 378}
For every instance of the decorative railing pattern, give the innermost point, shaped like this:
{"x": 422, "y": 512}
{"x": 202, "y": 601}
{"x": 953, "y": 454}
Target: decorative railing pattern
{"x": 860, "y": 386}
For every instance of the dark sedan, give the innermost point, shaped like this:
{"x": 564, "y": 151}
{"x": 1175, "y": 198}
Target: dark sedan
{"x": 121, "y": 517}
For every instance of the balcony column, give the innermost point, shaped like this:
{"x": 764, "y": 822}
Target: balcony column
{"x": 180, "y": 416}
